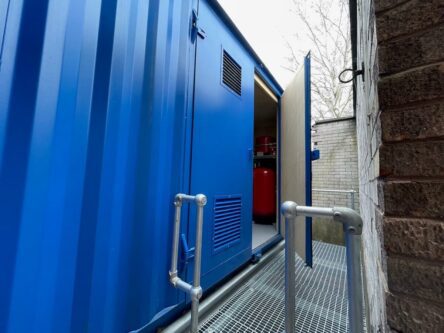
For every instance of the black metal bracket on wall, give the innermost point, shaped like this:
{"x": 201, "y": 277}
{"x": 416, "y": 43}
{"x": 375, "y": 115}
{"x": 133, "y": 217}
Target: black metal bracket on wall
{"x": 353, "y": 10}
{"x": 355, "y": 73}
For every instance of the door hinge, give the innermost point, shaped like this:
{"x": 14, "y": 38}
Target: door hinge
{"x": 196, "y": 29}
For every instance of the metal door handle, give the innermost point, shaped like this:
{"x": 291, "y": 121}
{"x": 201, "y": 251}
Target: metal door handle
{"x": 250, "y": 153}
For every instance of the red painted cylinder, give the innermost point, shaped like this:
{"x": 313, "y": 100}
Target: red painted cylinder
{"x": 264, "y": 194}
{"x": 265, "y": 145}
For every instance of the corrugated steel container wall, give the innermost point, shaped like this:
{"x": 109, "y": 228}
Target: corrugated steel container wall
{"x": 93, "y": 96}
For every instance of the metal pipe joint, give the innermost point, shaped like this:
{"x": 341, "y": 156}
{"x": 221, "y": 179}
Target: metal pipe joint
{"x": 196, "y": 293}
{"x": 173, "y": 276}
{"x": 351, "y": 220}
{"x": 199, "y": 199}
{"x": 289, "y": 209}
{"x": 181, "y": 285}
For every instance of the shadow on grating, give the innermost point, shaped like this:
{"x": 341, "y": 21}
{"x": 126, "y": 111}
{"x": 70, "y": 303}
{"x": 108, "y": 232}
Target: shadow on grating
{"x": 258, "y": 305}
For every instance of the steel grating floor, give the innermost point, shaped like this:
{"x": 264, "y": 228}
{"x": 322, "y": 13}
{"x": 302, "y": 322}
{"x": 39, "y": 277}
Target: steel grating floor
{"x": 258, "y": 305}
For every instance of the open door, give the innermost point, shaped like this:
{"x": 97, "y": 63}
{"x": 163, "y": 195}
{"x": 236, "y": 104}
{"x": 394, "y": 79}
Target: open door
{"x": 296, "y": 154}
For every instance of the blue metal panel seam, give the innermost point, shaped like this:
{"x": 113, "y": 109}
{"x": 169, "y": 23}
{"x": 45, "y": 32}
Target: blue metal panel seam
{"x": 4, "y": 11}
{"x": 15, "y": 156}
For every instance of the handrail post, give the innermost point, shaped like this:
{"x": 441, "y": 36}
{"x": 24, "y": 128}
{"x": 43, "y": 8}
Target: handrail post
{"x": 195, "y": 290}
{"x": 354, "y": 282}
{"x": 290, "y": 266}
{"x": 352, "y": 224}
{"x": 352, "y": 199}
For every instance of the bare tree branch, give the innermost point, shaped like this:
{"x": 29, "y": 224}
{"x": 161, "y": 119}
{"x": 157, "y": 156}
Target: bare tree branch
{"x": 326, "y": 25}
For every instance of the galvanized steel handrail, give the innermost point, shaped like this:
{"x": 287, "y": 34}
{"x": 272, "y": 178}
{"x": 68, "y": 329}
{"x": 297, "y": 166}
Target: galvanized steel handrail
{"x": 352, "y": 224}
{"x": 195, "y": 290}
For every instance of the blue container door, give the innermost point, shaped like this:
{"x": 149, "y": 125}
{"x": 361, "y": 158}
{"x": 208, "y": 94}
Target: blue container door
{"x": 222, "y": 145}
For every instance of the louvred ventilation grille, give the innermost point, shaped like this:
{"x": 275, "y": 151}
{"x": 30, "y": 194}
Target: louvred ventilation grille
{"x": 227, "y": 221}
{"x": 231, "y": 74}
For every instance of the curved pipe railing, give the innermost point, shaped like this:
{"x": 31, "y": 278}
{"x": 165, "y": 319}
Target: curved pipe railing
{"x": 352, "y": 224}
{"x": 195, "y": 290}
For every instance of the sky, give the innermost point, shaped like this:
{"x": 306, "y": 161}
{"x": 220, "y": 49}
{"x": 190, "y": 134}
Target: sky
{"x": 271, "y": 26}
{"x": 267, "y": 31}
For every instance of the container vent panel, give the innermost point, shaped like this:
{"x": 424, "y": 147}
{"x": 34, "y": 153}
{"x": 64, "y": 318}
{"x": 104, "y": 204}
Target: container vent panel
{"x": 227, "y": 221}
{"x": 231, "y": 74}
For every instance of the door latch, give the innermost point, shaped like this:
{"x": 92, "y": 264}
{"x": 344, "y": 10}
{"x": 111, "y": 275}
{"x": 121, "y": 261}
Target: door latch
{"x": 187, "y": 252}
{"x": 250, "y": 153}
{"x": 196, "y": 29}
{"x": 315, "y": 155}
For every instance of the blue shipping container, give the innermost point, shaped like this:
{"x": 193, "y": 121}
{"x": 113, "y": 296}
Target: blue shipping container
{"x": 108, "y": 108}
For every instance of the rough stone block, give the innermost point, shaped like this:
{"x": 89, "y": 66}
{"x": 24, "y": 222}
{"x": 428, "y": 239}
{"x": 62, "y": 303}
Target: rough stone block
{"x": 414, "y": 199}
{"x": 420, "y": 238}
{"x": 416, "y": 50}
{"x": 418, "y": 122}
{"x": 422, "y": 84}
{"x": 416, "y": 278}
{"x": 409, "y": 17}
{"x": 424, "y": 158}
{"x": 413, "y": 316}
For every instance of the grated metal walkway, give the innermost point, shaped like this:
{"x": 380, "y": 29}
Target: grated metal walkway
{"x": 258, "y": 305}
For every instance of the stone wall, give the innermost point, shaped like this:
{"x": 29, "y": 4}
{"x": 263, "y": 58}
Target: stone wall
{"x": 400, "y": 125}
{"x": 337, "y": 169}
{"x": 368, "y": 133}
